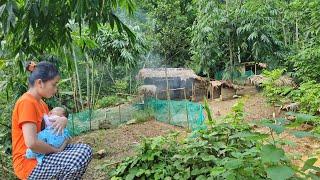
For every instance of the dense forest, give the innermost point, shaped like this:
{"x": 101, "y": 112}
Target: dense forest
{"x": 99, "y": 47}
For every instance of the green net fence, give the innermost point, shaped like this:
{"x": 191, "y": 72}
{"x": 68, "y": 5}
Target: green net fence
{"x": 235, "y": 75}
{"x": 180, "y": 113}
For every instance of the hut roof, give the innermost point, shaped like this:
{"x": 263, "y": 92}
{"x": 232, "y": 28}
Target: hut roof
{"x": 215, "y": 84}
{"x": 285, "y": 81}
{"x": 257, "y": 79}
{"x": 263, "y": 65}
{"x": 183, "y": 73}
{"x": 229, "y": 84}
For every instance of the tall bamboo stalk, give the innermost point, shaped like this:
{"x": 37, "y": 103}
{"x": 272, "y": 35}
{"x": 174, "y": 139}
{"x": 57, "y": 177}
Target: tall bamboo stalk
{"x": 88, "y": 87}
{"x": 167, "y": 90}
{"x": 98, "y": 94}
{"x": 77, "y": 77}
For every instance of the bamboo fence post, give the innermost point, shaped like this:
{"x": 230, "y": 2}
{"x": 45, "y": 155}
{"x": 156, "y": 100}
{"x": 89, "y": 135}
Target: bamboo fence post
{"x": 105, "y": 116}
{"x": 185, "y": 98}
{"x": 72, "y": 118}
{"x": 169, "y": 110}
{"x": 120, "y": 114}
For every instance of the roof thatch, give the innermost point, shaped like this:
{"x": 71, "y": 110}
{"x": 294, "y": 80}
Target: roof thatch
{"x": 257, "y": 79}
{"x": 285, "y": 81}
{"x": 229, "y": 84}
{"x": 215, "y": 84}
{"x": 171, "y": 72}
{"x": 263, "y": 65}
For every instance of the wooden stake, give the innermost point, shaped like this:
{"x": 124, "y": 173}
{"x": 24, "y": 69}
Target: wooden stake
{"x": 119, "y": 114}
{"x": 72, "y": 123}
{"x": 185, "y": 98}
{"x": 255, "y": 68}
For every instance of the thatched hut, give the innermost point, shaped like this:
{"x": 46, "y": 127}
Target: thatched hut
{"x": 183, "y": 83}
{"x": 214, "y": 90}
{"x": 228, "y": 90}
{"x": 254, "y": 67}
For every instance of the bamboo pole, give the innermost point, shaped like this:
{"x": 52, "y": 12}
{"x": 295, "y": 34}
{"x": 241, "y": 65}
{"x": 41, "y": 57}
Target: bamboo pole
{"x": 120, "y": 114}
{"x": 192, "y": 92}
{"x": 255, "y": 68}
{"x": 74, "y": 88}
{"x": 168, "y": 95}
{"x": 77, "y": 77}
{"x": 100, "y": 83}
{"x": 73, "y": 123}
{"x": 185, "y": 98}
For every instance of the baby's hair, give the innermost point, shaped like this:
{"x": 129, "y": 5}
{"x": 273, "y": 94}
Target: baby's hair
{"x": 43, "y": 70}
{"x": 64, "y": 111}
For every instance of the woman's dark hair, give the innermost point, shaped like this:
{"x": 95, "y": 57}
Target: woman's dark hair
{"x": 43, "y": 70}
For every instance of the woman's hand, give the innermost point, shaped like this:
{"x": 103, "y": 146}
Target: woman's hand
{"x": 59, "y": 124}
{"x": 64, "y": 145}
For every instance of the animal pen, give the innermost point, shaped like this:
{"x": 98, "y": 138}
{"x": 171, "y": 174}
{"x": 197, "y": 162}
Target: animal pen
{"x": 179, "y": 112}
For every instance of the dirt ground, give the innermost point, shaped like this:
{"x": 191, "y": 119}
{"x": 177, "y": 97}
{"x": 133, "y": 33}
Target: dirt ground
{"x": 120, "y": 143}
{"x": 256, "y": 106}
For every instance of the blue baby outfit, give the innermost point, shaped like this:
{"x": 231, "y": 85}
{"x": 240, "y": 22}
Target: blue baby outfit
{"x": 50, "y": 137}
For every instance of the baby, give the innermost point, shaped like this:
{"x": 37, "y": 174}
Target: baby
{"x": 48, "y": 135}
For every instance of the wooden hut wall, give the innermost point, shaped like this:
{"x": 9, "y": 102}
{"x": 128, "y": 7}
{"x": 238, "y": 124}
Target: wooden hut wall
{"x": 227, "y": 93}
{"x": 174, "y": 83}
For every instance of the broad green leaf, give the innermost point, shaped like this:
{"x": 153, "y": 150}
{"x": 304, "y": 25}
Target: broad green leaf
{"x": 277, "y": 128}
{"x": 2, "y": 9}
{"x": 132, "y": 173}
{"x": 208, "y": 158}
{"x": 233, "y": 164}
{"x": 280, "y": 172}
{"x": 216, "y": 171}
{"x": 309, "y": 163}
{"x": 201, "y": 177}
{"x": 301, "y": 134}
{"x": 197, "y": 171}
{"x": 271, "y": 154}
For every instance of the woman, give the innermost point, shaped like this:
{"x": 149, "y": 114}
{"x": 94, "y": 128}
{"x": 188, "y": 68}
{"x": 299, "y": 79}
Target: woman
{"x": 70, "y": 160}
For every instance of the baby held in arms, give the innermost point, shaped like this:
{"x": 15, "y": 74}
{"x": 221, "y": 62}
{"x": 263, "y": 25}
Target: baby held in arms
{"x": 48, "y": 135}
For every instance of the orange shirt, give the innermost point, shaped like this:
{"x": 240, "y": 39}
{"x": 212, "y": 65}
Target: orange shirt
{"x": 27, "y": 109}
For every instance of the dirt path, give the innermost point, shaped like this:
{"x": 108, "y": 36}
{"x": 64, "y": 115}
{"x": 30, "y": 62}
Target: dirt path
{"x": 120, "y": 143}
{"x": 256, "y": 107}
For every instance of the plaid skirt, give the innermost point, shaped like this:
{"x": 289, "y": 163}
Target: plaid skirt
{"x": 71, "y": 163}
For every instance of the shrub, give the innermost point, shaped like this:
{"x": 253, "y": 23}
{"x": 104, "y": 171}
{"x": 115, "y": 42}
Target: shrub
{"x": 108, "y": 101}
{"x": 228, "y": 150}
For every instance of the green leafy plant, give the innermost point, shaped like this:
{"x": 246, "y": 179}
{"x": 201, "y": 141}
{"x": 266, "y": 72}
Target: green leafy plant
{"x": 308, "y": 97}
{"x": 143, "y": 115}
{"x": 227, "y": 150}
{"x": 108, "y": 101}
{"x": 274, "y": 92}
